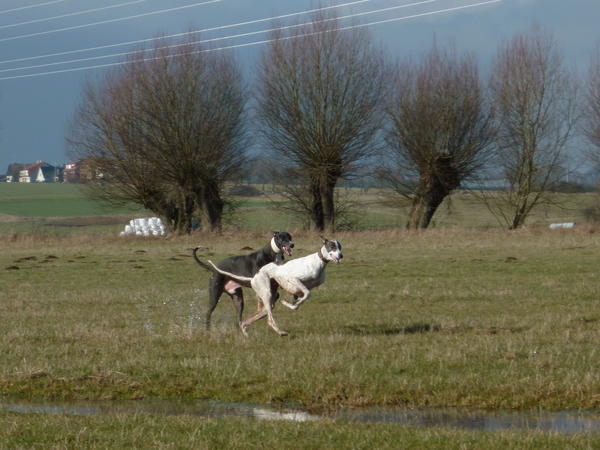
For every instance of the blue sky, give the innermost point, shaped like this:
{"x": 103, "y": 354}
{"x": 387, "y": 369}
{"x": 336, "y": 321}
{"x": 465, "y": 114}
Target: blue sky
{"x": 35, "y": 111}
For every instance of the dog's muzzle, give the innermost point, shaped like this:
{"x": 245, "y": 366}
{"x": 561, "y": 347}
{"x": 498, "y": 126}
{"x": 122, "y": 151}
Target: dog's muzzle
{"x": 288, "y": 249}
{"x": 336, "y": 257}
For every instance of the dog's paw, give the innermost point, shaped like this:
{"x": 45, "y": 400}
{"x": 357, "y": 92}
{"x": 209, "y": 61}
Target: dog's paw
{"x": 289, "y": 305}
{"x": 283, "y": 333}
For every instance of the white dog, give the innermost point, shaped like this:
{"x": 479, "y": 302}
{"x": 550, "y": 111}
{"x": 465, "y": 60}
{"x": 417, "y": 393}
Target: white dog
{"x": 296, "y": 276}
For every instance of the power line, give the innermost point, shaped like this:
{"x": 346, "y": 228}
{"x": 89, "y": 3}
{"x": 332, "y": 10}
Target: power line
{"x": 118, "y": 19}
{"x": 378, "y": 22}
{"x": 77, "y": 13}
{"x": 235, "y": 36}
{"x": 248, "y": 44}
{"x": 20, "y": 8}
{"x": 205, "y": 30}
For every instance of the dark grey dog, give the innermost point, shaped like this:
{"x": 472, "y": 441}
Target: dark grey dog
{"x": 245, "y": 265}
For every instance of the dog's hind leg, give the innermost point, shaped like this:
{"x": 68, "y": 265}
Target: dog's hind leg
{"x": 269, "y": 311}
{"x": 238, "y": 303}
{"x": 266, "y": 295}
{"x": 215, "y": 289}
{"x": 259, "y": 315}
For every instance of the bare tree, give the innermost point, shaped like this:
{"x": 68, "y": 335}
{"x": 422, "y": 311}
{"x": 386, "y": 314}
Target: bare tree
{"x": 440, "y": 130}
{"x": 535, "y": 99}
{"x": 591, "y": 114}
{"x": 166, "y": 131}
{"x": 319, "y": 102}
{"x": 103, "y": 136}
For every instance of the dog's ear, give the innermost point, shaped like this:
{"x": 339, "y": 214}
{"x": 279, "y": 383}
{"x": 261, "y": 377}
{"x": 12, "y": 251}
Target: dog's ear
{"x": 324, "y": 239}
{"x": 275, "y": 233}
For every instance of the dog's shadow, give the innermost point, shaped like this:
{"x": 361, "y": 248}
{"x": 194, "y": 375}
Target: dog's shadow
{"x": 386, "y": 330}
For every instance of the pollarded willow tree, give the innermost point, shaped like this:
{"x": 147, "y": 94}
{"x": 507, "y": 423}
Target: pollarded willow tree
{"x": 590, "y": 125}
{"x": 320, "y": 91}
{"x": 591, "y": 113}
{"x": 440, "y": 130}
{"x": 535, "y": 98}
{"x": 165, "y": 130}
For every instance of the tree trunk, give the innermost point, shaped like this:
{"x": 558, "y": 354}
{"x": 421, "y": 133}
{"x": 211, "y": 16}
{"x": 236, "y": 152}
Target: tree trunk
{"x": 442, "y": 179}
{"x": 323, "y": 205}
{"x": 182, "y": 223}
{"x": 327, "y": 199}
{"x": 424, "y": 206}
{"x": 170, "y": 210}
{"x": 212, "y": 206}
{"x": 520, "y": 215}
{"x": 317, "y": 222}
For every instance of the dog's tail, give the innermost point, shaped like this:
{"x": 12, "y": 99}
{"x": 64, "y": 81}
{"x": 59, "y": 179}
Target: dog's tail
{"x": 229, "y": 274}
{"x": 200, "y": 263}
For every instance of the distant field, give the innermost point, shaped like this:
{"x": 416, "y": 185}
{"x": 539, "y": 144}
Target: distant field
{"x": 51, "y": 200}
{"x": 64, "y": 210}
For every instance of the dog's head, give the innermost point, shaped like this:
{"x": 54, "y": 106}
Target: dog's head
{"x": 283, "y": 241}
{"x": 331, "y": 250}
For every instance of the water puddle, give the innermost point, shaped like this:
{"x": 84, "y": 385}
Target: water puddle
{"x": 203, "y": 408}
{"x": 565, "y": 422}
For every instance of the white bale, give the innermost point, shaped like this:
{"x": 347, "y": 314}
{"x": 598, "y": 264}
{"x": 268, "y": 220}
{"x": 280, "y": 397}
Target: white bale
{"x": 554, "y": 226}
{"x": 145, "y": 226}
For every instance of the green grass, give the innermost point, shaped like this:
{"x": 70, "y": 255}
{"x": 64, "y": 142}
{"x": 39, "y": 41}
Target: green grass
{"x": 51, "y": 200}
{"x": 454, "y": 318}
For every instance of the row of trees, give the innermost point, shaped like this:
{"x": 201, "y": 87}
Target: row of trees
{"x": 171, "y": 126}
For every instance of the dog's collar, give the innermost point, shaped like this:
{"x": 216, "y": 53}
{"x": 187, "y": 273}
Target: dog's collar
{"x": 325, "y": 260}
{"x": 274, "y": 246}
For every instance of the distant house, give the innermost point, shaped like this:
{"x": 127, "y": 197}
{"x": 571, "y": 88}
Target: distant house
{"x": 71, "y": 172}
{"x": 38, "y": 172}
{"x": 12, "y": 172}
{"x": 80, "y": 172}
{"x": 24, "y": 176}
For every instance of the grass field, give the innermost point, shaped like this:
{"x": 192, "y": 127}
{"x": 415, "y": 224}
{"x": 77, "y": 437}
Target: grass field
{"x": 452, "y": 316}
{"x": 50, "y": 200}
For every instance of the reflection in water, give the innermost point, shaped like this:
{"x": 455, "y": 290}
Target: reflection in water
{"x": 562, "y": 422}
{"x": 565, "y": 422}
{"x": 204, "y": 408}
